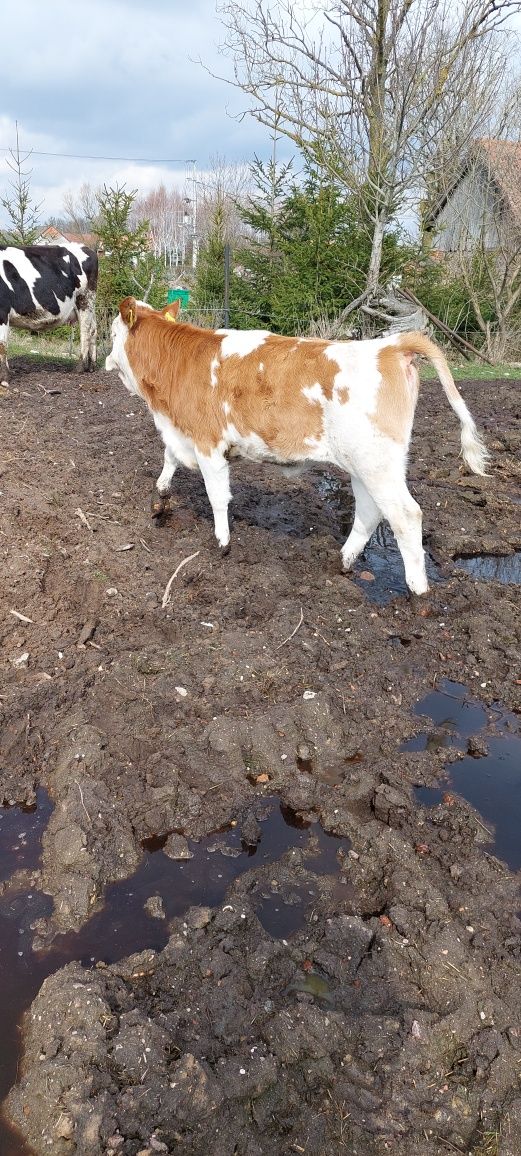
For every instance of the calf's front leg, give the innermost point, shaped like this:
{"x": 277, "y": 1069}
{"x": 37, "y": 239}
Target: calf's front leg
{"x": 159, "y": 501}
{"x": 216, "y": 475}
{"x": 164, "y": 480}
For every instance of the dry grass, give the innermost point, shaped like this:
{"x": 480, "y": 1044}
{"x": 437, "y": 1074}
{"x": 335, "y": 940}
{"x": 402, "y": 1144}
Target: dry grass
{"x": 52, "y": 345}
{"x": 489, "y": 1144}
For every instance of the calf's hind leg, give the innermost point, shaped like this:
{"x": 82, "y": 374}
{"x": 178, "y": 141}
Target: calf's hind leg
{"x": 382, "y": 493}
{"x": 405, "y": 519}
{"x": 367, "y": 517}
{"x": 404, "y": 515}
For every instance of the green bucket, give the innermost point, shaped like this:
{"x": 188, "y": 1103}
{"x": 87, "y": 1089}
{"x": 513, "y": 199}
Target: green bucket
{"x": 181, "y": 295}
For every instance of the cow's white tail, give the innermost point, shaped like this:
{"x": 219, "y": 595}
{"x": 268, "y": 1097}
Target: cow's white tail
{"x": 473, "y": 449}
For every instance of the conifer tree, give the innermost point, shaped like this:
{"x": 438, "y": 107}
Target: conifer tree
{"x": 127, "y": 264}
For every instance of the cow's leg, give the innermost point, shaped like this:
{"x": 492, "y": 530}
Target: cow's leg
{"x": 159, "y": 502}
{"x": 170, "y": 464}
{"x": 367, "y": 517}
{"x": 216, "y": 474}
{"x": 85, "y": 308}
{"x": 4, "y": 367}
{"x": 404, "y": 515}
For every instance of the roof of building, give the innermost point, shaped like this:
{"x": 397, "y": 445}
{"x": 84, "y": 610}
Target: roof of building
{"x": 502, "y": 160}
{"x": 51, "y": 234}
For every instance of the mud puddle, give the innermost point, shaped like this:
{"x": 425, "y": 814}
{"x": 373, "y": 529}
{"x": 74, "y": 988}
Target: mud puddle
{"x": 506, "y": 569}
{"x": 137, "y": 910}
{"x": 489, "y": 776}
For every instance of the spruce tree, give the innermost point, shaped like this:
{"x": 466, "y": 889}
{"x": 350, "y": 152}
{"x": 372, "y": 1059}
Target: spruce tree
{"x": 127, "y": 266}
{"x": 257, "y": 264}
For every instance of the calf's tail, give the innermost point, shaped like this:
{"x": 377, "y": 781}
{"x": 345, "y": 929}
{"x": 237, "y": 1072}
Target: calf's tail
{"x": 473, "y": 448}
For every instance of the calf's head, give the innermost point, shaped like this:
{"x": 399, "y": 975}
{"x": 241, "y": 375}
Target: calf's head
{"x": 120, "y": 329}
{"x": 121, "y": 326}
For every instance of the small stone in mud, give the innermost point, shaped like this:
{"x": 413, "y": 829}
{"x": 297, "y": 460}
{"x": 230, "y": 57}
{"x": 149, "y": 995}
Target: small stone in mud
{"x": 155, "y": 907}
{"x": 176, "y": 847}
{"x": 86, "y": 633}
{"x": 65, "y": 1128}
{"x": 224, "y": 849}
{"x": 198, "y": 917}
{"x": 477, "y": 747}
{"x": 250, "y": 830}
{"x": 22, "y": 659}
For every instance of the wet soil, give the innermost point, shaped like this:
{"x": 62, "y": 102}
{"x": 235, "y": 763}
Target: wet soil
{"x": 223, "y": 975}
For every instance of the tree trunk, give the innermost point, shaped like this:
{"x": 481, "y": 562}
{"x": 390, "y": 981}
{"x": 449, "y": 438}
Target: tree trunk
{"x": 373, "y": 273}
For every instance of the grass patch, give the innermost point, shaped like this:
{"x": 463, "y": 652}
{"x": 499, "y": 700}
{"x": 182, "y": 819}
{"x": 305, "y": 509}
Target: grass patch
{"x": 42, "y": 347}
{"x": 488, "y": 1145}
{"x": 475, "y": 371}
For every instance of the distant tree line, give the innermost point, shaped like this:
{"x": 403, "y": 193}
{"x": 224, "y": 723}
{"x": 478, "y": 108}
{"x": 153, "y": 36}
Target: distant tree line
{"x": 379, "y": 104}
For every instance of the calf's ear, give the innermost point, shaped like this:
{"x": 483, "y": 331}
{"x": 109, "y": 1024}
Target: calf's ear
{"x": 172, "y": 310}
{"x": 128, "y": 311}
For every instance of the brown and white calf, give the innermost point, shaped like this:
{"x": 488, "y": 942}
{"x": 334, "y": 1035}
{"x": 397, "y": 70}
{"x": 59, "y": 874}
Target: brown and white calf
{"x": 218, "y": 393}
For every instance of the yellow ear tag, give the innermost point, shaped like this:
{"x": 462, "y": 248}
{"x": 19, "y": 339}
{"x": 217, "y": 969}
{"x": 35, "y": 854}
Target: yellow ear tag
{"x": 131, "y": 318}
{"x": 170, "y": 316}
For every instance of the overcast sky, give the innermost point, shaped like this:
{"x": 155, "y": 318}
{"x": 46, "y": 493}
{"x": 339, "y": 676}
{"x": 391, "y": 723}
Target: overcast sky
{"x": 116, "y": 78}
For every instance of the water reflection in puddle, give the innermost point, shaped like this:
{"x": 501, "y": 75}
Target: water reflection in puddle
{"x": 21, "y": 830}
{"x": 124, "y": 925}
{"x": 490, "y": 782}
{"x": 506, "y": 569}
{"x": 21, "y": 973}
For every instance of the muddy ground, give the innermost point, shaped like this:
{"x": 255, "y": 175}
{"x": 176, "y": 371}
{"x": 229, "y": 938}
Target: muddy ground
{"x": 377, "y": 1009}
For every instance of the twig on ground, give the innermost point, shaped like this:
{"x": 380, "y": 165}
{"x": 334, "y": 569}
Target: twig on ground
{"x": 22, "y": 617}
{"x": 483, "y": 827}
{"x": 447, "y": 963}
{"x": 83, "y": 801}
{"x": 293, "y": 632}
{"x": 113, "y": 521}
{"x": 79, "y": 513}
{"x": 320, "y": 635}
{"x": 166, "y": 596}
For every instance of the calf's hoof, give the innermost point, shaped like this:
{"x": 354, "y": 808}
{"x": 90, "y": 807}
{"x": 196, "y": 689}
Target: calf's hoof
{"x": 159, "y": 506}
{"x": 225, "y": 550}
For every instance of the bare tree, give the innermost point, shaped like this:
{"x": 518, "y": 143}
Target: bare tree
{"x": 222, "y": 188}
{"x": 169, "y": 215}
{"x": 82, "y": 209}
{"x": 22, "y": 212}
{"x": 369, "y": 88}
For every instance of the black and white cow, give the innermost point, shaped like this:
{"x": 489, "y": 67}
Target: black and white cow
{"x": 46, "y": 285}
